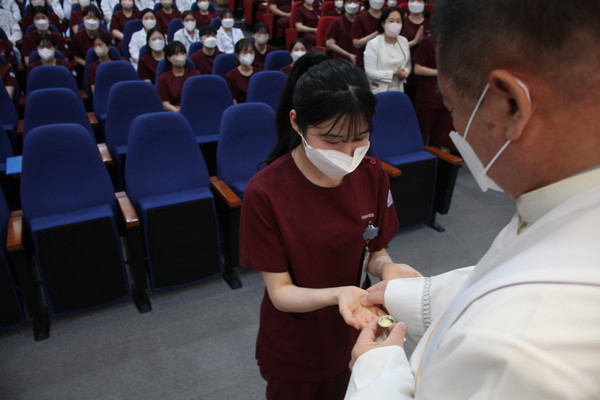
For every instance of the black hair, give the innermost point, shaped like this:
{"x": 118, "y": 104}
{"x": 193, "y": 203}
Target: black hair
{"x": 45, "y": 37}
{"x": 146, "y": 11}
{"x": 151, "y": 31}
{"x": 243, "y": 44}
{"x": 556, "y": 40}
{"x": 207, "y": 29}
{"x": 186, "y": 13}
{"x": 91, "y": 9}
{"x": 107, "y": 41}
{"x": 260, "y": 25}
{"x": 321, "y": 90}
{"x": 385, "y": 14}
{"x": 298, "y": 40}
{"x": 224, "y": 12}
{"x": 172, "y": 48}
{"x": 39, "y": 10}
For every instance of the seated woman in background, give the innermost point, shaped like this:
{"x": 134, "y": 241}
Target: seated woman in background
{"x": 261, "y": 38}
{"x": 387, "y": 55}
{"x": 102, "y": 48}
{"x": 42, "y": 26}
{"x": 238, "y": 78}
{"x": 120, "y": 18}
{"x": 298, "y": 48}
{"x": 204, "y": 58}
{"x": 77, "y": 13}
{"x": 7, "y": 74}
{"x": 170, "y": 83}
{"x": 203, "y": 15}
{"x": 189, "y": 33}
{"x": 166, "y": 14}
{"x": 46, "y": 48}
{"x": 138, "y": 39}
{"x": 84, "y": 39}
{"x": 228, "y": 35}
{"x": 148, "y": 64}
{"x": 306, "y": 17}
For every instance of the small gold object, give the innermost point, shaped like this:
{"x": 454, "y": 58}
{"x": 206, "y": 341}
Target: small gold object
{"x": 386, "y": 324}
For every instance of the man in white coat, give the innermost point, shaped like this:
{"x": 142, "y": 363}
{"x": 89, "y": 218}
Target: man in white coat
{"x": 522, "y": 83}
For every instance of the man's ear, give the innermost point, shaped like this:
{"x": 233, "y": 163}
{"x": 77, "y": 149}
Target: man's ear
{"x": 293, "y": 122}
{"x": 519, "y": 104}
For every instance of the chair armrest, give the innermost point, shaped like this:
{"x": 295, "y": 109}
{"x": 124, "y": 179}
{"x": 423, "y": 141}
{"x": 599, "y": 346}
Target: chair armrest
{"x": 14, "y": 237}
{"x": 105, "y": 154}
{"x": 93, "y": 119}
{"x": 128, "y": 211}
{"x": 444, "y": 156}
{"x": 225, "y": 192}
{"x": 390, "y": 169}
{"x": 84, "y": 96}
{"x": 20, "y": 127}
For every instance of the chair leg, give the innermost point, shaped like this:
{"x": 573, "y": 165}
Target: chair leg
{"x": 433, "y": 224}
{"x": 41, "y": 326}
{"x": 231, "y": 247}
{"x": 138, "y": 273}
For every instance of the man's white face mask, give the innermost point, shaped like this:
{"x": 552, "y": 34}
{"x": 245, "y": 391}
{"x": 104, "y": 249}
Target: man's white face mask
{"x": 468, "y": 154}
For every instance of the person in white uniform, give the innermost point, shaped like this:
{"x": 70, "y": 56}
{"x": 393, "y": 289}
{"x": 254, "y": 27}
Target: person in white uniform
{"x": 524, "y": 323}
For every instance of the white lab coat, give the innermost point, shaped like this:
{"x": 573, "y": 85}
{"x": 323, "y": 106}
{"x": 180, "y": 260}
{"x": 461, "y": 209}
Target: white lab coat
{"x": 138, "y": 39}
{"x": 382, "y": 59}
{"x": 184, "y": 37}
{"x": 524, "y": 325}
{"x": 10, "y": 26}
{"x": 13, "y": 7}
{"x": 225, "y": 43}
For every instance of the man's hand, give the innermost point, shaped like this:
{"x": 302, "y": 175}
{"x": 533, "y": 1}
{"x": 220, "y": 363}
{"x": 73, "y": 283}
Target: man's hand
{"x": 366, "y": 339}
{"x": 353, "y": 311}
{"x": 393, "y": 271}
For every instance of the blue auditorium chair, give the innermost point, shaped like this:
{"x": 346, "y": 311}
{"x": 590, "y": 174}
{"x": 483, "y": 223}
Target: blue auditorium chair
{"x": 108, "y": 74}
{"x": 8, "y": 114}
{"x": 224, "y": 63}
{"x": 194, "y": 47}
{"x": 426, "y": 183}
{"x": 161, "y": 68}
{"x": 52, "y": 76}
{"x": 90, "y": 57}
{"x": 174, "y": 25}
{"x": 277, "y": 59}
{"x": 168, "y": 183}
{"x": 72, "y": 218}
{"x": 266, "y": 87}
{"x": 128, "y": 30}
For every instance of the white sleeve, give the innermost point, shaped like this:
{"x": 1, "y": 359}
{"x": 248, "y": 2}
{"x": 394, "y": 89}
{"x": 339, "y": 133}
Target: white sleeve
{"x": 223, "y": 42}
{"x": 13, "y": 7}
{"x": 418, "y": 301}
{"x": 183, "y": 5}
{"x": 107, "y": 7}
{"x": 135, "y": 44}
{"x": 370, "y": 59}
{"x": 15, "y": 31}
{"x": 407, "y": 65}
{"x": 58, "y": 9}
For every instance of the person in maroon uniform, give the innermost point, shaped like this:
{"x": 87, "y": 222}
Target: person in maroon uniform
{"x": 203, "y": 15}
{"x": 416, "y": 26}
{"x": 434, "y": 118}
{"x": 42, "y": 25}
{"x": 305, "y": 18}
{"x": 102, "y": 48}
{"x": 313, "y": 222}
{"x": 148, "y": 64}
{"x": 77, "y": 15}
{"x": 337, "y": 10}
{"x": 204, "y": 58}
{"x": 298, "y": 48}
{"x": 364, "y": 28}
{"x": 7, "y": 74}
{"x": 238, "y": 78}
{"x": 261, "y": 46}
{"x": 84, "y": 39}
{"x": 166, "y": 14}
{"x": 120, "y": 18}
{"x": 339, "y": 38}
{"x": 29, "y": 17}
{"x": 46, "y": 48}
{"x": 282, "y": 10}
{"x": 170, "y": 83}
{"x": 7, "y": 51}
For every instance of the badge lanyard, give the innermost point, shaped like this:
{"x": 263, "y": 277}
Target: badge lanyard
{"x": 369, "y": 234}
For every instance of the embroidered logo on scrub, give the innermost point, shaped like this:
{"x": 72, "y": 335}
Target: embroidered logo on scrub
{"x": 390, "y": 199}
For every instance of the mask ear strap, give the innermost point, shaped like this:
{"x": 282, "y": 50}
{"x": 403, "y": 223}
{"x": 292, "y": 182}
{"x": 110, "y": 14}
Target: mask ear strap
{"x": 487, "y": 86}
{"x": 525, "y": 88}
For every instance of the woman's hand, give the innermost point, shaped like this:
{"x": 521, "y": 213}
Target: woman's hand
{"x": 354, "y": 313}
{"x": 401, "y": 73}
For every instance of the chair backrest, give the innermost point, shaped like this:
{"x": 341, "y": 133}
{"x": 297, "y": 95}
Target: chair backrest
{"x": 277, "y": 59}
{"x": 108, "y": 74}
{"x": 266, "y": 87}
{"x": 144, "y": 49}
{"x": 161, "y": 68}
{"x": 194, "y": 47}
{"x": 51, "y": 76}
{"x": 130, "y": 27}
{"x": 327, "y": 6}
{"x": 8, "y": 111}
{"x": 90, "y": 57}
{"x": 216, "y": 22}
{"x": 203, "y": 101}
{"x": 395, "y": 126}
{"x": 174, "y": 25}
{"x": 322, "y": 27}
{"x": 54, "y": 106}
{"x": 126, "y": 101}
{"x": 34, "y": 56}
{"x": 224, "y": 63}
{"x": 6, "y": 147}
{"x": 248, "y": 135}
{"x": 62, "y": 172}
{"x": 163, "y": 157}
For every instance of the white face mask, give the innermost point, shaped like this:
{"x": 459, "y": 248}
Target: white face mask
{"x": 392, "y": 29}
{"x": 392, "y": 3}
{"x": 351, "y": 8}
{"x": 210, "y": 42}
{"x": 227, "y": 22}
{"x": 376, "y": 4}
{"x": 416, "y": 7}
{"x": 46, "y": 54}
{"x": 203, "y": 5}
{"x": 157, "y": 45}
{"x": 333, "y": 163}
{"x": 261, "y": 38}
{"x": 189, "y": 25}
{"x": 38, "y": 3}
{"x": 91, "y": 24}
{"x": 166, "y": 3}
{"x": 297, "y": 54}
{"x": 468, "y": 153}
{"x": 101, "y": 51}
{"x": 84, "y": 3}
{"x": 338, "y": 4}
{"x": 247, "y": 59}
{"x": 179, "y": 61}
{"x": 309, "y": 2}
{"x": 42, "y": 24}
{"x": 149, "y": 23}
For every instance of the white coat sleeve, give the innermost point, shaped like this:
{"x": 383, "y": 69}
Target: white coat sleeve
{"x": 135, "y": 44}
{"x": 224, "y": 42}
{"x": 407, "y": 64}
{"x": 371, "y": 57}
{"x": 58, "y": 9}
{"x": 15, "y": 33}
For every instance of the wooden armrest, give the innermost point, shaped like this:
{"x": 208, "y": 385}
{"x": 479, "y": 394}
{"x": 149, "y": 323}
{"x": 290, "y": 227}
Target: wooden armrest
{"x": 84, "y": 96}
{"x": 444, "y": 156}
{"x": 391, "y": 170}
{"x": 20, "y": 127}
{"x": 105, "y": 154}
{"x": 22, "y": 101}
{"x": 225, "y": 192}
{"x": 92, "y": 118}
{"x": 14, "y": 237}
{"x": 128, "y": 211}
